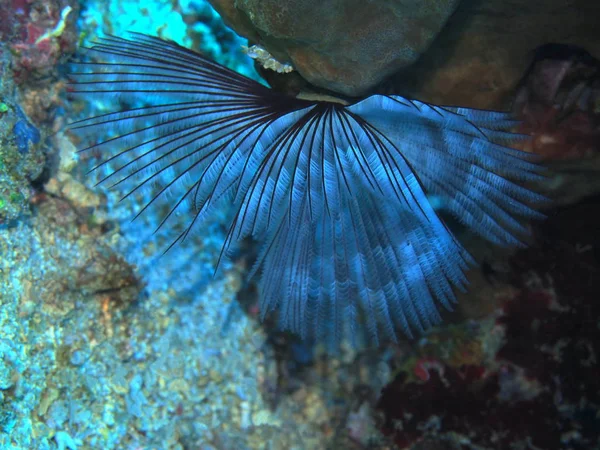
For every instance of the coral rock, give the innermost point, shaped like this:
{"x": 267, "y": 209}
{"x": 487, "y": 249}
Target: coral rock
{"x": 542, "y": 388}
{"x": 484, "y": 49}
{"x": 347, "y": 46}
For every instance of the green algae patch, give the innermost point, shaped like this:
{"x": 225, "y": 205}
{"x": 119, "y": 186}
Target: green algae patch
{"x": 17, "y": 169}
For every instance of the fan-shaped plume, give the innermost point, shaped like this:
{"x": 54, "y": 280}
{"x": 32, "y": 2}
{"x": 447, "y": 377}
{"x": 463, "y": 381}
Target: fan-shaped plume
{"x": 337, "y": 195}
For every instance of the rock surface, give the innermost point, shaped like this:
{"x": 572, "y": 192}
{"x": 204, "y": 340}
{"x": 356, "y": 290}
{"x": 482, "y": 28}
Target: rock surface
{"x": 485, "y": 49}
{"x": 476, "y": 60}
{"x": 347, "y": 46}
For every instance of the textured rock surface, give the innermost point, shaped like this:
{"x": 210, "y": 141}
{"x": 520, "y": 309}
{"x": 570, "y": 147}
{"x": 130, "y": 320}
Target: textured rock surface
{"x": 559, "y": 103}
{"x": 486, "y": 46}
{"x": 477, "y": 59}
{"x": 347, "y": 46}
{"x": 524, "y": 377}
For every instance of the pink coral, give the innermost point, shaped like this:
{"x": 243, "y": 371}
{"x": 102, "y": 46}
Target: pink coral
{"x": 39, "y": 34}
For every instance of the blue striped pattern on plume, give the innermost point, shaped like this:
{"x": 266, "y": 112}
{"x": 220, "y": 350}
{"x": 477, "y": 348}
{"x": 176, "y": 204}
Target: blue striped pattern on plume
{"x": 336, "y": 194}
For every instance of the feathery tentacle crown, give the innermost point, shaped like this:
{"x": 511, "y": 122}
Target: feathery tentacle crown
{"x": 337, "y": 195}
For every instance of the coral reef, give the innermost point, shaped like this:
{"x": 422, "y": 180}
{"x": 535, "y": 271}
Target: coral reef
{"x": 37, "y": 35}
{"x": 106, "y": 343}
{"x": 22, "y": 160}
{"x": 559, "y": 101}
{"x": 538, "y": 386}
{"x": 99, "y": 354}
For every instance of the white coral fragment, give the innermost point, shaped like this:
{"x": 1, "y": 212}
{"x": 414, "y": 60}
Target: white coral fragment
{"x": 266, "y": 60}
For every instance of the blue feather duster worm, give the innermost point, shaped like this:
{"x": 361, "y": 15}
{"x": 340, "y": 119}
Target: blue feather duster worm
{"x": 336, "y": 193}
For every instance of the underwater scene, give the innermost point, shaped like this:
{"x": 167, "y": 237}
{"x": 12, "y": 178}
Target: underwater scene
{"x": 299, "y": 224}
